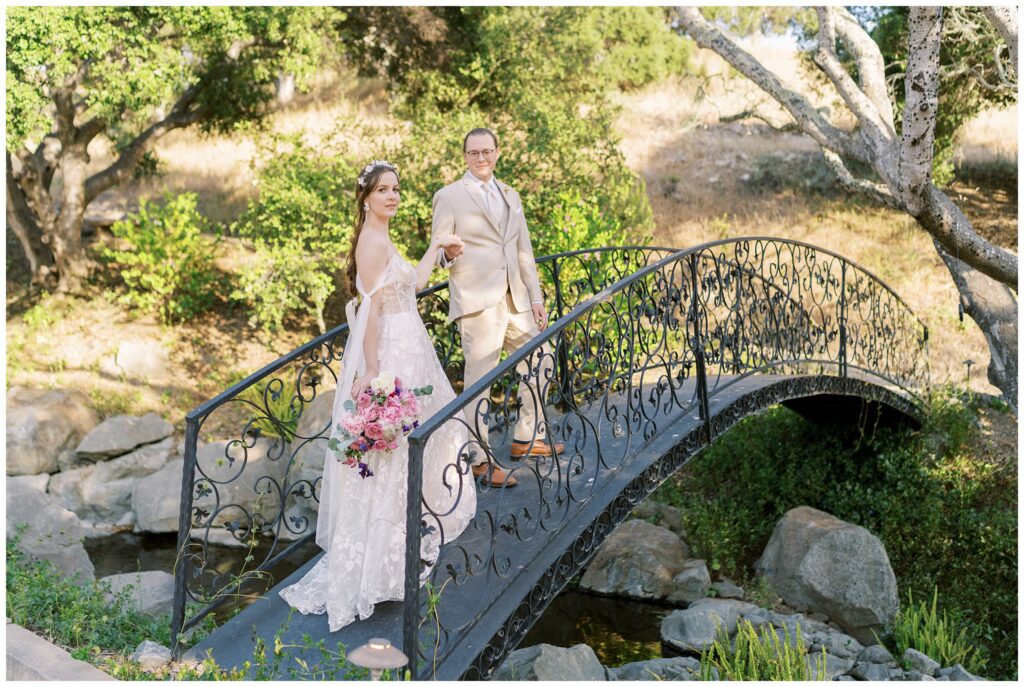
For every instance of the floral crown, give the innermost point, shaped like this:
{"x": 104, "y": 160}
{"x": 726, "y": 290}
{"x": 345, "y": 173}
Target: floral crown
{"x": 368, "y": 169}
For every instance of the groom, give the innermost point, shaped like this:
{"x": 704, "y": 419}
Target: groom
{"x": 495, "y": 292}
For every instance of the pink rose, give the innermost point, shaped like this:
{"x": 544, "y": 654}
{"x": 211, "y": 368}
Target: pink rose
{"x": 380, "y": 445}
{"x": 363, "y": 400}
{"x": 353, "y": 424}
{"x": 372, "y": 413}
{"x": 392, "y": 414}
{"x": 374, "y": 431}
{"x": 394, "y": 401}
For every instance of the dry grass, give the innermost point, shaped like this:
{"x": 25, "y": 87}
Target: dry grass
{"x": 695, "y": 169}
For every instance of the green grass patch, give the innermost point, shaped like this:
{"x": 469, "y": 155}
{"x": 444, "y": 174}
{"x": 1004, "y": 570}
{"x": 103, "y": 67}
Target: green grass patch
{"x": 764, "y": 656}
{"x": 947, "y": 518}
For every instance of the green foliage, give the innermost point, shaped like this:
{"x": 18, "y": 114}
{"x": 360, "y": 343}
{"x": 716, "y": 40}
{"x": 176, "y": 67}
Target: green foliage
{"x": 760, "y": 657}
{"x": 167, "y": 265}
{"x": 941, "y": 513}
{"x": 919, "y": 626}
{"x": 300, "y": 225}
{"x": 547, "y": 101}
{"x": 42, "y": 599}
{"x": 136, "y": 61}
{"x": 268, "y": 401}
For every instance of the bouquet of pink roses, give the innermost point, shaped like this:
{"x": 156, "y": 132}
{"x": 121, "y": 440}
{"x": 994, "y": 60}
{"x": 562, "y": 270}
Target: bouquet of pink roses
{"x": 376, "y": 422}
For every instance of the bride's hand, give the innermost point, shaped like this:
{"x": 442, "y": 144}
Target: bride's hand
{"x": 452, "y": 245}
{"x": 362, "y": 384}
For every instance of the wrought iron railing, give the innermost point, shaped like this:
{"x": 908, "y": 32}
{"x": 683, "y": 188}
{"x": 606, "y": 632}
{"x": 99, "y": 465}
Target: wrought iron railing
{"x": 656, "y": 346}
{"x": 639, "y": 336}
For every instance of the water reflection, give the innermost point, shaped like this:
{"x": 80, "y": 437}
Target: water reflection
{"x": 128, "y": 552}
{"x": 618, "y": 630}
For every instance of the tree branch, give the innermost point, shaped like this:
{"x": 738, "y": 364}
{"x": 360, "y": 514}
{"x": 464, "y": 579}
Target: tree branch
{"x": 806, "y": 115}
{"x": 920, "y": 107}
{"x": 878, "y": 133}
{"x": 994, "y": 308}
{"x": 180, "y": 116}
{"x": 948, "y": 225}
{"x": 880, "y": 193}
{"x": 870, "y": 65}
{"x": 1004, "y": 20}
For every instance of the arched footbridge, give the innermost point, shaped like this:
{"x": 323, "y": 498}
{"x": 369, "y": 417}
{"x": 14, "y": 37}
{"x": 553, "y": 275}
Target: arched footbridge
{"x": 652, "y": 353}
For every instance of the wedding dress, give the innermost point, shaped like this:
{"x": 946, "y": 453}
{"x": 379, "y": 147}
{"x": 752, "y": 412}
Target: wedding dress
{"x": 361, "y": 522}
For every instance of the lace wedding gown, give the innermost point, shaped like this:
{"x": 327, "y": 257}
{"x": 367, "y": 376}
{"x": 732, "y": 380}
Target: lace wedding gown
{"x": 361, "y": 523}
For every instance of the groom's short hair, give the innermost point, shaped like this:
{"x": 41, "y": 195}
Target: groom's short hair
{"x": 476, "y": 132}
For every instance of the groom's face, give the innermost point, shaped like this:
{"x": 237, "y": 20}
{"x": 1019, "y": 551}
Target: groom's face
{"x": 481, "y": 155}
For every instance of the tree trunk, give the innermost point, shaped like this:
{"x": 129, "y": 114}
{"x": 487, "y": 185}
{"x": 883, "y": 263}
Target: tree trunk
{"x": 994, "y": 308}
{"x": 22, "y": 222}
{"x": 66, "y": 241}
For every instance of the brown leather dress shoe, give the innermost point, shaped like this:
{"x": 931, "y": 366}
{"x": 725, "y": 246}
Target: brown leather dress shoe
{"x": 493, "y": 478}
{"x": 521, "y": 449}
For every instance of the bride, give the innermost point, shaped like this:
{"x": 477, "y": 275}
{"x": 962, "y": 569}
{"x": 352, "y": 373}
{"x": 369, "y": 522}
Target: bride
{"x": 361, "y": 522}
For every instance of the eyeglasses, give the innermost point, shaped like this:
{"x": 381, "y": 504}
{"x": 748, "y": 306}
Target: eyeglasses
{"x": 474, "y": 154}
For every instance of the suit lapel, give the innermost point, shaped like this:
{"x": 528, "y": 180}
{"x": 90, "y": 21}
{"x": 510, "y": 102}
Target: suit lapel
{"x": 473, "y": 189}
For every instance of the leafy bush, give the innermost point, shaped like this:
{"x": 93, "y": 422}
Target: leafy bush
{"x": 42, "y": 599}
{"x": 919, "y": 626}
{"x": 301, "y": 225}
{"x": 167, "y": 265}
{"x": 760, "y": 657}
{"x": 941, "y": 513}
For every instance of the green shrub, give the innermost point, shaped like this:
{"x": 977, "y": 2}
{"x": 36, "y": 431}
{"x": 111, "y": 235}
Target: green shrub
{"x": 167, "y": 266}
{"x": 300, "y": 225}
{"x": 941, "y": 513}
{"x": 267, "y": 402}
{"x": 919, "y": 626}
{"x": 77, "y": 617}
{"x": 760, "y": 657}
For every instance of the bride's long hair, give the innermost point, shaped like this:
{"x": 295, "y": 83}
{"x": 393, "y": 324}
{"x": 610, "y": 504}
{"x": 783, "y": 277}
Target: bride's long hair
{"x": 365, "y": 183}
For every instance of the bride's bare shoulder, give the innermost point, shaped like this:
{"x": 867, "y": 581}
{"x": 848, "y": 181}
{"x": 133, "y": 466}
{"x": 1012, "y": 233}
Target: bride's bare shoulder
{"x": 371, "y": 253}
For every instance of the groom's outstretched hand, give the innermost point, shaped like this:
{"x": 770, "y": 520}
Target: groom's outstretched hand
{"x": 453, "y": 246}
{"x": 540, "y": 316}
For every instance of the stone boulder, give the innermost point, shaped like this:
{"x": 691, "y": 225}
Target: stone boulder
{"x": 43, "y": 424}
{"x": 694, "y": 629}
{"x": 638, "y": 560}
{"x": 544, "y": 662}
{"x": 121, "y": 434}
{"x": 102, "y": 493}
{"x": 151, "y": 656}
{"x": 661, "y": 514}
{"x": 671, "y": 669}
{"x": 920, "y": 662}
{"x": 691, "y": 583}
{"x": 47, "y": 531}
{"x": 819, "y": 563}
{"x": 156, "y": 499}
{"x": 145, "y": 360}
{"x": 151, "y": 592}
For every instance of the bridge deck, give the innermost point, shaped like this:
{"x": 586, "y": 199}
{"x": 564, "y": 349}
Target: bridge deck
{"x": 485, "y": 600}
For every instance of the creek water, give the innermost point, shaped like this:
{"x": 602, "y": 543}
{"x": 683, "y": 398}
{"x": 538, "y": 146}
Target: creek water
{"x": 618, "y": 630}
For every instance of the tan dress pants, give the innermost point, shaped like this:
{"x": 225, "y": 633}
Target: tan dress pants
{"x": 484, "y": 335}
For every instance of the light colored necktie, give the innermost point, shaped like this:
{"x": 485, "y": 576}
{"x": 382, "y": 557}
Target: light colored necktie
{"x": 489, "y": 199}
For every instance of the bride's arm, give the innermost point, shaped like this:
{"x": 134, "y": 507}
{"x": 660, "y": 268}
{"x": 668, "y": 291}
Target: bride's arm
{"x": 429, "y": 260}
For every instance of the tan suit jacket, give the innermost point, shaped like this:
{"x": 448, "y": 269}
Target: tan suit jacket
{"x": 498, "y": 257}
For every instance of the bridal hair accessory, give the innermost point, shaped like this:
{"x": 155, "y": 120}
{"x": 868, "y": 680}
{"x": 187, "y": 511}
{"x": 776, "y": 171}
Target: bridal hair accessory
{"x": 364, "y": 175}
